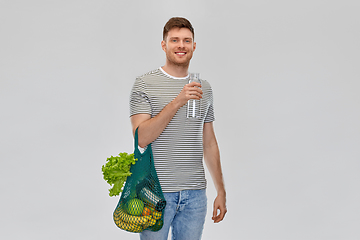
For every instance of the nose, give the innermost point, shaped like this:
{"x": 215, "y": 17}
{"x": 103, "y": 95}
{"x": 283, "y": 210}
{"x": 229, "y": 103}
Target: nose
{"x": 181, "y": 44}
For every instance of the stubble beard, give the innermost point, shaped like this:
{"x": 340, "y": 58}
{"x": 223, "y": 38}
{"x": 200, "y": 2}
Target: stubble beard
{"x": 173, "y": 62}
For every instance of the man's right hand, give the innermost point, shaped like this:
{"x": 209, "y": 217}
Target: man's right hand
{"x": 190, "y": 91}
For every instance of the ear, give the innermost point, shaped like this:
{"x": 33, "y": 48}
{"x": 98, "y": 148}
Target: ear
{"x": 194, "y": 47}
{"x": 163, "y": 45}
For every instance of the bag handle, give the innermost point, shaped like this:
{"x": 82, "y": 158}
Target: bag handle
{"x": 136, "y": 143}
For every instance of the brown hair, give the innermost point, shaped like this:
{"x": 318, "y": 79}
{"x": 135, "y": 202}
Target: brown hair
{"x": 177, "y": 22}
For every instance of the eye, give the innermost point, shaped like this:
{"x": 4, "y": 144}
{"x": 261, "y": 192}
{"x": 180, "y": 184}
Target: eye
{"x": 174, "y": 40}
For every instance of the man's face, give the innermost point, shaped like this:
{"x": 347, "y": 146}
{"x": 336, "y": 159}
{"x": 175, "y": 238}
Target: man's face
{"x": 179, "y": 46}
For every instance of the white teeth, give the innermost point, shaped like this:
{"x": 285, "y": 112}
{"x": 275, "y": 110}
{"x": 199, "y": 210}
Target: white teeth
{"x": 180, "y": 53}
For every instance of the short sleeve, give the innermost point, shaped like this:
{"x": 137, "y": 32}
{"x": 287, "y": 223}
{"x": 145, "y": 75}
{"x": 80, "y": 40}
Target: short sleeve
{"x": 210, "y": 115}
{"x": 139, "y": 100}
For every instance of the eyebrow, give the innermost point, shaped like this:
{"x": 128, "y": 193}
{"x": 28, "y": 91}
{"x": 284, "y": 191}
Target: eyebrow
{"x": 187, "y": 38}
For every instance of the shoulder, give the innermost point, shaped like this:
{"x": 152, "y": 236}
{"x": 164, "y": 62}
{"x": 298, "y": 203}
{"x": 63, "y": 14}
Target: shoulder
{"x": 154, "y": 74}
{"x": 147, "y": 78}
{"x": 205, "y": 85}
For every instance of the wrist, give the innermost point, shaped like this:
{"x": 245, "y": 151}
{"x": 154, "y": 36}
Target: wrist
{"x": 221, "y": 193}
{"x": 176, "y": 104}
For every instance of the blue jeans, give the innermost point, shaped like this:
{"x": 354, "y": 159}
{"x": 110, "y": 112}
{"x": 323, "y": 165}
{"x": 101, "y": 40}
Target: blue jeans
{"x": 185, "y": 213}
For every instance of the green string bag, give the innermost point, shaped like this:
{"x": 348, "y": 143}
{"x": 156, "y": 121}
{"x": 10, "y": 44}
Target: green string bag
{"x": 142, "y": 203}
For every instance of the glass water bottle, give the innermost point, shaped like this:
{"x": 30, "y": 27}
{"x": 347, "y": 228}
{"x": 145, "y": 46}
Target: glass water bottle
{"x": 193, "y": 105}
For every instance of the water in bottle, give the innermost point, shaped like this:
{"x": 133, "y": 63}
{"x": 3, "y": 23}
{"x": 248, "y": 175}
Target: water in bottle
{"x": 193, "y": 105}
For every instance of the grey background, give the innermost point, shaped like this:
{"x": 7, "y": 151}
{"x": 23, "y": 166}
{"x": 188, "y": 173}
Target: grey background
{"x": 285, "y": 76}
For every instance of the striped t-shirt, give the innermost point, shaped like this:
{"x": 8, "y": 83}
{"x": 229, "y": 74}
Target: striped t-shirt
{"x": 178, "y": 151}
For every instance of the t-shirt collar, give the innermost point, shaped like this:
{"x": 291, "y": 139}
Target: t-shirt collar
{"x": 172, "y": 76}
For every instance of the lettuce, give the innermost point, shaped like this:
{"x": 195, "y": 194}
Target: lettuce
{"x": 116, "y": 170}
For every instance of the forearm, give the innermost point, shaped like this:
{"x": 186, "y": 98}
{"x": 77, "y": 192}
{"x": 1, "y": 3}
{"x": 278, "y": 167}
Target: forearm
{"x": 212, "y": 160}
{"x": 151, "y": 128}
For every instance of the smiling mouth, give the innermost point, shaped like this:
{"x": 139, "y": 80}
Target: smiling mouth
{"x": 180, "y": 53}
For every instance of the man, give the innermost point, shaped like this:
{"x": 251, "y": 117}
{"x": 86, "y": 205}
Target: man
{"x": 158, "y": 109}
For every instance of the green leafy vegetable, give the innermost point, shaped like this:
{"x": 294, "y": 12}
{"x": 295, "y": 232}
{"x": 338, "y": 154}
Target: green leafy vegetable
{"x": 116, "y": 170}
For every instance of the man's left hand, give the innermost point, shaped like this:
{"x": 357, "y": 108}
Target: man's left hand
{"x": 219, "y": 208}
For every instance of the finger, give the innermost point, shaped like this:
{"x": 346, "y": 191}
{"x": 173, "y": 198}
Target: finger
{"x": 218, "y": 217}
{"x": 223, "y": 213}
{"x": 221, "y": 216}
{"x": 194, "y": 84}
{"x": 194, "y": 95}
{"x": 196, "y": 89}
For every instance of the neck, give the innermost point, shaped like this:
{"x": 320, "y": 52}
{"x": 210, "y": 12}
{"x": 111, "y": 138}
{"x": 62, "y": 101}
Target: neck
{"x": 176, "y": 70}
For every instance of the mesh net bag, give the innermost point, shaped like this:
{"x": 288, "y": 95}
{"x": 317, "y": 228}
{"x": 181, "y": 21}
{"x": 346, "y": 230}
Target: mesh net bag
{"x": 142, "y": 203}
